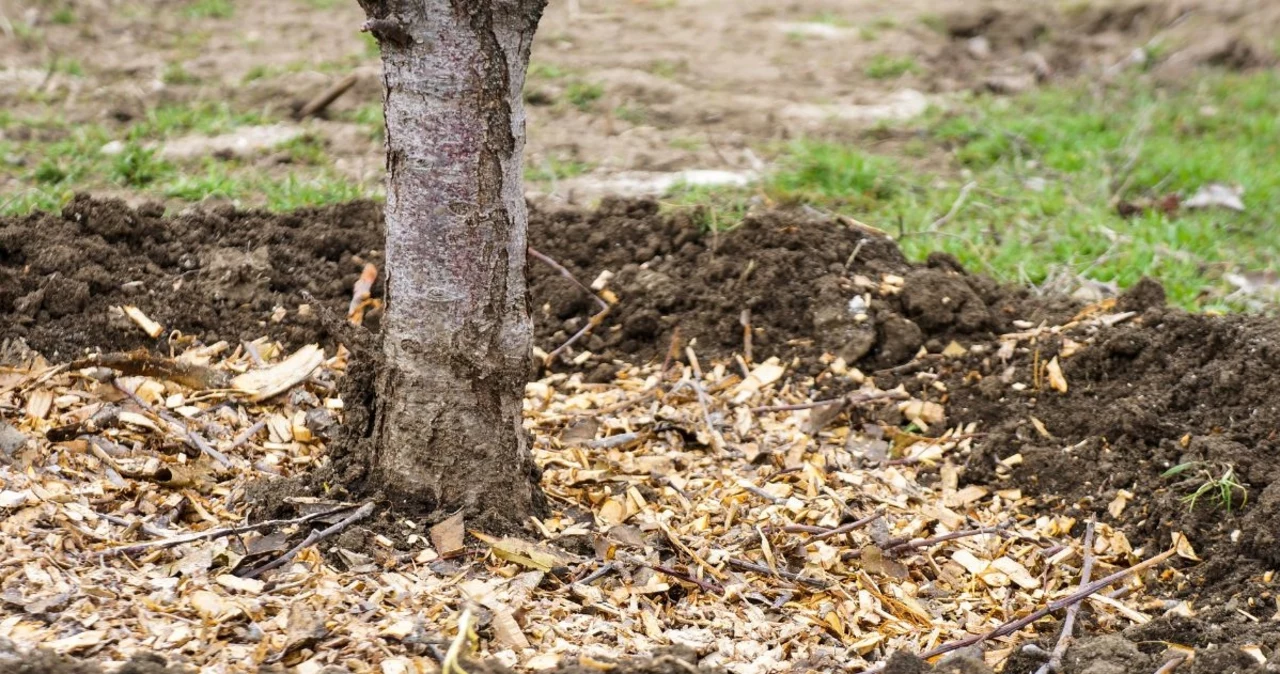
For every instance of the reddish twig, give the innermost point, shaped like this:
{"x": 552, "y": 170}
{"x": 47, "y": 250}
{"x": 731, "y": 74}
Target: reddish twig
{"x": 1069, "y": 622}
{"x": 942, "y": 538}
{"x": 706, "y": 585}
{"x": 846, "y": 528}
{"x": 591, "y": 323}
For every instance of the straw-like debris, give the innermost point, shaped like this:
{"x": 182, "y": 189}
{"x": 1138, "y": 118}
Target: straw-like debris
{"x": 710, "y": 506}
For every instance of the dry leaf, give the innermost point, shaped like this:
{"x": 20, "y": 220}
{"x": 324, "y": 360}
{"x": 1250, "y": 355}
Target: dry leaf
{"x": 448, "y": 536}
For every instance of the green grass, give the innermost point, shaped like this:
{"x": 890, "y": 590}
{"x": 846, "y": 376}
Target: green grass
{"x": 885, "y": 67}
{"x": 583, "y": 95}
{"x": 555, "y": 168}
{"x": 63, "y": 158}
{"x": 210, "y": 9}
{"x": 176, "y": 74}
{"x": 1047, "y": 169}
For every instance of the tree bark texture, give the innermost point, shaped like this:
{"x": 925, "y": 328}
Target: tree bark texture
{"x": 456, "y": 339}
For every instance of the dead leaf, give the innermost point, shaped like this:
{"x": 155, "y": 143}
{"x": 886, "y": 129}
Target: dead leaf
{"x": 448, "y": 536}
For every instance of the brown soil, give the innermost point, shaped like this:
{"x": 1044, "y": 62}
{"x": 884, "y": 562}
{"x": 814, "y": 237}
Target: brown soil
{"x": 44, "y": 662}
{"x": 228, "y": 274}
{"x": 1163, "y": 388}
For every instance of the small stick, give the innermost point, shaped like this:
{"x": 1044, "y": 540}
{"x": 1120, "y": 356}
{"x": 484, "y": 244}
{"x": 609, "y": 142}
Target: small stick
{"x": 781, "y": 573}
{"x": 247, "y": 434}
{"x": 926, "y": 542}
{"x": 1012, "y": 626}
{"x": 717, "y": 440}
{"x": 955, "y": 207}
{"x": 597, "y": 574}
{"x": 745, "y": 320}
{"x": 318, "y": 104}
{"x": 312, "y": 538}
{"x": 217, "y": 533}
{"x": 591, "y": 323}
{"x": 1069, "y": 622}
{"x": 850, "y": 399}
{"x": 147, "y": 528}
{"x": 846, "y": 528}
{"x": 707, "y": 586}
{"x": 193, "y": 438}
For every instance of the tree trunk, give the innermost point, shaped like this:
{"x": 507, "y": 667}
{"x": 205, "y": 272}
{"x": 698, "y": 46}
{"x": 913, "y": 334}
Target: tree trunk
{"x": 457, "y": 336}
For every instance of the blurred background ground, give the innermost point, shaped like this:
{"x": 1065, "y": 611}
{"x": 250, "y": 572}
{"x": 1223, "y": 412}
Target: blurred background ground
{"x": 1050, "y": 144}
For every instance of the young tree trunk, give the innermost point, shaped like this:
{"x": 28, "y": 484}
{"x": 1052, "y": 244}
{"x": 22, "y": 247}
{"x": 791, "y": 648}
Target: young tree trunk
{"x": 457, "y": 335}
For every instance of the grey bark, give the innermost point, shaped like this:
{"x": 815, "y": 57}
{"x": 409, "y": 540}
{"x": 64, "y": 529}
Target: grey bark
{"x": 456, "y": 339}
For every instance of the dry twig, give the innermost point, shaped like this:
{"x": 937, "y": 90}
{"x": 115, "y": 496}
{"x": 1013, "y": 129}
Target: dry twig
{"x": 326, "y": 98}
{"x": 1068, "y": 624}
{"x": 193, "y": 438}
{"x": 311, "y": 539}
{"x": 591, "y": 323}
{"x": 218, "y": 533}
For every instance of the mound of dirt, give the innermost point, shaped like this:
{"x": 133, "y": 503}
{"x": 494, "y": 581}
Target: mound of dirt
{"x": 805, "y": 285}
{"x": 211, "y": 274}
{"x": 809, "y": 286}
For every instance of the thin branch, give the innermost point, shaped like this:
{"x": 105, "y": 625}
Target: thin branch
{"x": 955, "y": 207}
{"x": 926, "y": 542}
{"x": 707, "y": 586}
{"x": 313, "y": 538}
{"x": 193, "y": 438}
{"x": 846, "y": 528}
{"x": 780, "y": 573}
{"x": 591, "y": 323}
{"x": 1069, "y": 623}
{"x": 850, "y": 399}
{"x": 247, "y": 434}
{"x": 218, "y": 533}
{"x": 318, "y": 104}
{"x": 1014, "y": 625}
